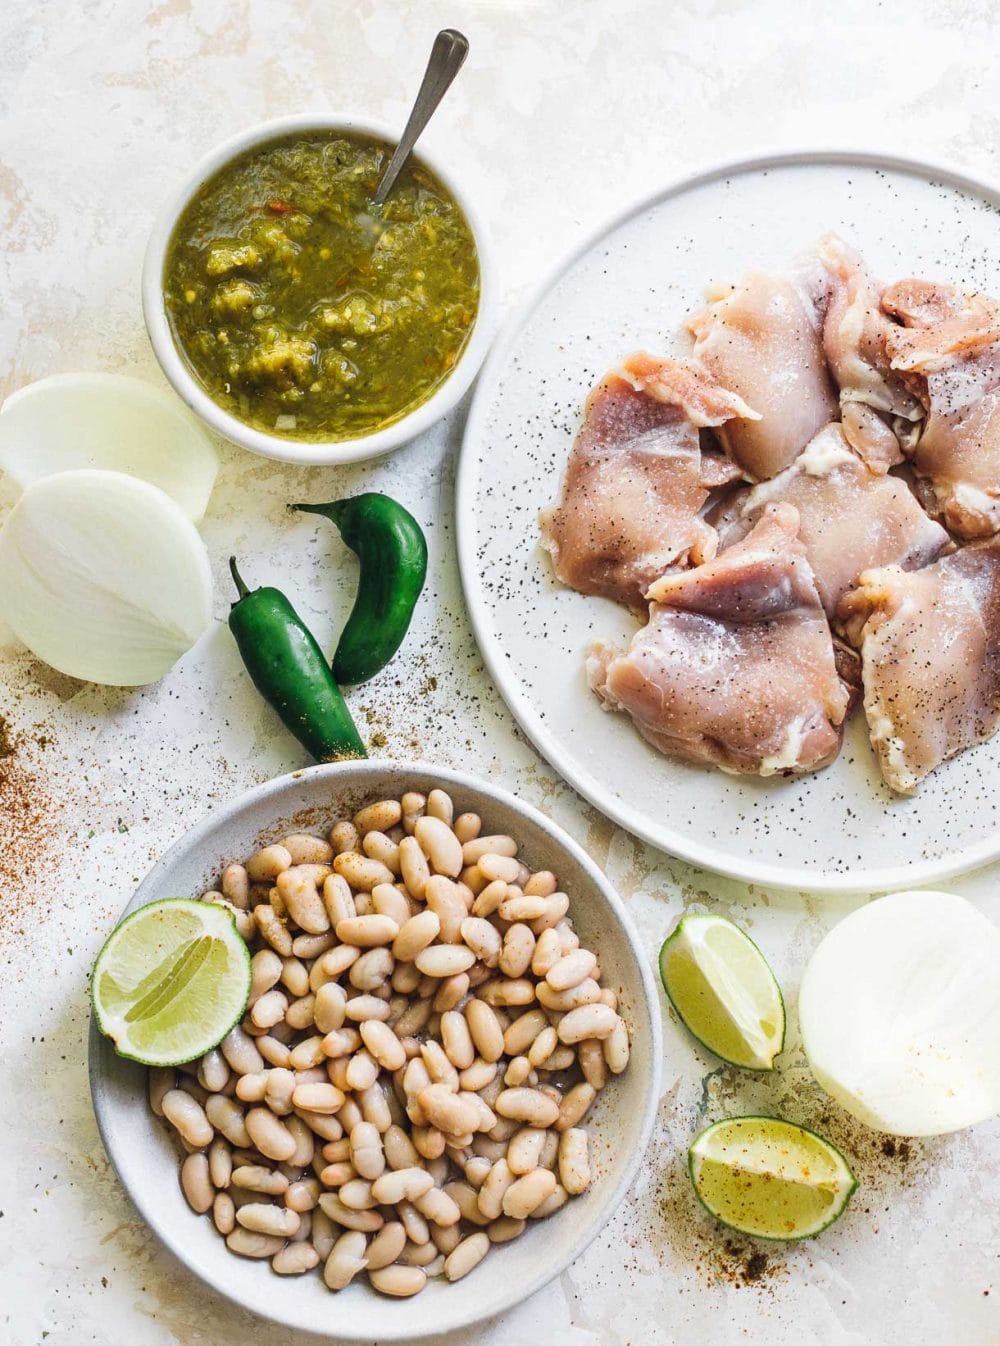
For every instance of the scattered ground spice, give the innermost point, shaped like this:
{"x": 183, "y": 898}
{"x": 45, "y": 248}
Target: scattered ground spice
{"x": 27, "y": 826}
{"x": 894, "y": 1148}
{"x": 745, "y": 1265}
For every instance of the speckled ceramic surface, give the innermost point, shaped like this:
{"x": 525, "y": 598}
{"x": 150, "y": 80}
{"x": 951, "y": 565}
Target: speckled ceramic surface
{"x": 560, "y": 115}
{"x": 630, "y": 289}
{"x": 620, "y": 1124}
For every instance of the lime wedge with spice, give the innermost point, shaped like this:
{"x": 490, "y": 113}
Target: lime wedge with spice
{"x": 770, "y": 1178}
{"x": 725, "y": 993}
{"x": 171, "y": 981}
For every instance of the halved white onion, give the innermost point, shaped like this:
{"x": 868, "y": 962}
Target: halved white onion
{"x": 104, "y": 577}
{"x": 900, "y": 1014}
{"x": 111, "y": 422}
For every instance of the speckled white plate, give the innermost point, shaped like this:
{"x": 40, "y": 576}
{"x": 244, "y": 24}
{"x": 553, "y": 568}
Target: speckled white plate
{"x": 620, "y": 1122}
{"x": 630, "y": 286}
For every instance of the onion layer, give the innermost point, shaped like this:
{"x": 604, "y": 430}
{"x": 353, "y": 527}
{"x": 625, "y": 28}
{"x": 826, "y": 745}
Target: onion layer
{"x": 900, "y": 1014}
{"x": 104, "y": 577}
{"x": 111, "y": 422}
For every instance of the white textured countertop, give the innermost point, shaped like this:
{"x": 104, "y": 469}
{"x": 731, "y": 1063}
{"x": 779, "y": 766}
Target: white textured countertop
{"x": 564, "y": 112}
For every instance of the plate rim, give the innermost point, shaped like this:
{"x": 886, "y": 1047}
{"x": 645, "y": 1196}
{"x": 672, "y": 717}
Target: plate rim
{"x": 790, "y": 878}
{"x": 648, "y": 1019}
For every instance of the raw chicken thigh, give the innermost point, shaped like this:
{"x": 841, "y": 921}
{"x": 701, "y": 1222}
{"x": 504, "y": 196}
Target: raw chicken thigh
{"x": 736, "y": 666}
{"x": 763, "y": 341}
{"x": 854, "y": 340}
{"x": 637, "y": 478}
{"x": 950, "y": 351}
{"x": 850, "y": 519}
{"x": 930, "y": 648}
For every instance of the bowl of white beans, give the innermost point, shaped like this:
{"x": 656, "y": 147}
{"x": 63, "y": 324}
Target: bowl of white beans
{"x": 446, "y": 1075}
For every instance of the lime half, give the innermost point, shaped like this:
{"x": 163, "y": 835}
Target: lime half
{"x": 171, "y": 981}
{"x": 770, "y": 1178}
{"x": 720, "y": 984}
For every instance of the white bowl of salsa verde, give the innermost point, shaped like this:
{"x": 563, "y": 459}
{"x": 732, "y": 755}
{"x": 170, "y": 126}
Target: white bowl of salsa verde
{"x": 298, "y": 320}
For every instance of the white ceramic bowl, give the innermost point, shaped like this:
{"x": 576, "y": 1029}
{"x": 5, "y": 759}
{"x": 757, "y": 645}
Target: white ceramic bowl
{"x": 620, "y": 1122}
{"x": 273, "y": 445}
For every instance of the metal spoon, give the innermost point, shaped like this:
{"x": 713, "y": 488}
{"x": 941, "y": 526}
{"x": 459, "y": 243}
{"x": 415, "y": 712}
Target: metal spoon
{"x": 449, "y": 51}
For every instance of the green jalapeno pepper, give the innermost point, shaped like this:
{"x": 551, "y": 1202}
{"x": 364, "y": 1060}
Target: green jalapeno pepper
{"x": 392, "y": 550}
{"x": 288, "y": 669}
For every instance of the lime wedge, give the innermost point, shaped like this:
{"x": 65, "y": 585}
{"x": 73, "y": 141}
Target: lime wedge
{"x": 720, "y": 984}
{"x": 770, "y": 1178}
{"x": 171, "y": 981}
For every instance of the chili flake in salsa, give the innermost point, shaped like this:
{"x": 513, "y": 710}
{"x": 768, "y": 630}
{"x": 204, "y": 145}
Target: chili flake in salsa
{"x": 308, "y": 312}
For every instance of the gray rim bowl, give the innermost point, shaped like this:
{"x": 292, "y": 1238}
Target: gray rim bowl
{"x": 620, "y": 1123}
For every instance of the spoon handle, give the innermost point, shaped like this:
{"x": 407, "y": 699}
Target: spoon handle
{"x": 449, "y": 51}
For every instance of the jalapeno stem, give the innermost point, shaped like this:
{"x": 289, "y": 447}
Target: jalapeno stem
{"x": 241, "y": 588}
{"x": 332, "y": 511}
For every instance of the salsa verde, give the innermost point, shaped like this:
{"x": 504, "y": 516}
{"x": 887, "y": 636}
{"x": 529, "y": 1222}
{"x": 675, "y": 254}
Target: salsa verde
{"x": 308, "y": 312}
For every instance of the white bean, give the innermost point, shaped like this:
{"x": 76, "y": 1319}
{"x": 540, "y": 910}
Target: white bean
{"x": 346, "y": 1259}
{"x": 389, "y": 901}
{"x": 447, "y": 1111}
{"x": 271, "y": 1137}
{"x": 224, "y": 1213}
{"x": 526, "y": 1194}
{"x": 588, "y": 1021}
{"x": 249, "y": 1243}
{"x": 467, "y": 827}
{"x": 322, "y": 1233}
{"x": 553, "y": 1202}
{"x": 269, "y": 1009}
{"x": 504, "y": 867}
{"x": 196, "y": 1183}
{"x": 367, "y": 1153}
{"x": 571, "y": 969}
{"x": 386, "y": 1246}
{"x": 264, "y": 1218}
{"x": 495, "y": 845}
{"x": 397, "y": 1280}
{"x": 438, "y": 1207}
{"x": 295, "y": 1259}
{"x": 574, "y": 1162}
{"x": 367, "y": 932}
{"x": 469, "y": 1253}
{"x": 402, "y": 1184}
{"x": 226, "y": 1115}
{"x": 524, "y": 1149}
{"x": 575, "y": 1104}
{"x": 257, "y": 1178}
{"x": 297, "y": 889}
{"x": 365, "y": 1221}
{"x": 444, "y": 960}
{"x": 505, "y": 1229}
{"x": 266, "y": 865}
{"x": 318, "y": 1098}
{"x": 378, "y": 817}
{"x": 491, "y": 1194}
{"x": 361, "y": 872}
{"x": 383, "y": 1044}
{"x": 414, "y": 867}
{"x": 457, "y": 1039}
{"x": 188, "y": 1118}
{"x": 440, "y": 845}
{"x": 241, "y": 1052}
{"x": 213, "y": 1073}
{"x": 527, "y": 1105}
{"x": 616, "y": 1048}
{"x": 415, "y": 935}
{"x": 590, "y": 1054}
